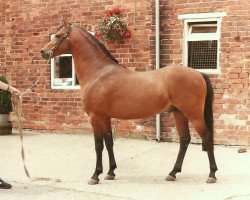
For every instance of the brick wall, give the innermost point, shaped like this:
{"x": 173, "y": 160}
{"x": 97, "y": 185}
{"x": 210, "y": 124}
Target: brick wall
{"x": 232, "y": 86}
{"x": 25, "y": 26}
{"x": 2, "y": 36}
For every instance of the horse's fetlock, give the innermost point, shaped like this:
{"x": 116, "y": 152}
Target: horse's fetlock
{"x": 113, "y": 166}
{"x": 177, "y": 169}
{"x": 99, "y": 171}
{"x": 213, "y": 168}
{"x": 111, "y": 173}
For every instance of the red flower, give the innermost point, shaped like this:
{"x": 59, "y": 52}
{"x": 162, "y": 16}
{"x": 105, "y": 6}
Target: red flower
{"x": 115, "y": 11}
{"x": 109, "y": 14}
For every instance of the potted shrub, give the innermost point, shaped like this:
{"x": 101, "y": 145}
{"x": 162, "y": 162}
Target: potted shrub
{"x": 5, "y": 110}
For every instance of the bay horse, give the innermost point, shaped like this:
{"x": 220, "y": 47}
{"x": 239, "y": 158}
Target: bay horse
{"x": 110, "y": 90}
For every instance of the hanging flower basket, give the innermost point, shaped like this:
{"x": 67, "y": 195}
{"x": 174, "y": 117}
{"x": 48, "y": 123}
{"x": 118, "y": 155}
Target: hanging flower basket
{"x": 113, "y": 28}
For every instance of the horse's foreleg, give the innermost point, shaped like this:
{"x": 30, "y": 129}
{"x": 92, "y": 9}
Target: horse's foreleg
{"x": 184, "y": 135}
{"x": 100, "y": 127}
{"x": 99, "y": 168}
{"x": 112, "y": 164}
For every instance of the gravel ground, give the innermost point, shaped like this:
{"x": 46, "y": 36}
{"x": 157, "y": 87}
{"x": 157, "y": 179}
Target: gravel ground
{"x": 142, "y": 168}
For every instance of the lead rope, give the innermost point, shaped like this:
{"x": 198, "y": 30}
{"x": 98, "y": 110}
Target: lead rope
{"x": 19, "y": 121}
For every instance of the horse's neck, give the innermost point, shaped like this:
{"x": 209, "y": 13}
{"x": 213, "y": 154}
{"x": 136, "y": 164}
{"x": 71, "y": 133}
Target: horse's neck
{"x": 84, "y": 69}
{"x": 89, "y": 58}
{"x": 87, "y": 62}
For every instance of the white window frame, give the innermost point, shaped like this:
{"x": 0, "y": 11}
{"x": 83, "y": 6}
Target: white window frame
{"x": 202, "y": 17}
{"x": 63, "y": 87}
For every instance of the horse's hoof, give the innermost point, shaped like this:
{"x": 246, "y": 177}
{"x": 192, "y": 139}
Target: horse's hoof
{"x": 108, "y": 177}
{"x": 93, "y": 182}
{"x": 211, "y": 180}
{"x": 170, "y": 178}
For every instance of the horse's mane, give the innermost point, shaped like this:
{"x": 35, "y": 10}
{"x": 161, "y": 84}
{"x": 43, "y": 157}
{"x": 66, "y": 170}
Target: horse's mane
{"x": 96, "y": 41}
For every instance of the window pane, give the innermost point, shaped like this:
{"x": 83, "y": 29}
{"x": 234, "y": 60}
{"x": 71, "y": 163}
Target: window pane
{"x": 202, "y": 54}
{"x": 204, "y": 29}
{"x": 65, "y": 67}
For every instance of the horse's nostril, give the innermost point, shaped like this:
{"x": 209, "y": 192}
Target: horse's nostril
{"x": 42, "y": 51}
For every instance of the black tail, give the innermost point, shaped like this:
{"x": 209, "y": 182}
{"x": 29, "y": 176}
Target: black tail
{"x": 208, "y": 111}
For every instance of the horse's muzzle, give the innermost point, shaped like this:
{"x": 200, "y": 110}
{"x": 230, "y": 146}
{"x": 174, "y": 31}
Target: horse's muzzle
{"x": 46, "y": 54}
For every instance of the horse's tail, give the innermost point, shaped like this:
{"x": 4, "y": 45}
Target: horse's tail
{"x": 208, "y": 111}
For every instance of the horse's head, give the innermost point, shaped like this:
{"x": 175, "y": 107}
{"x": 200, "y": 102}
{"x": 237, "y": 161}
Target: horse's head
{"x": 59, "y": 43}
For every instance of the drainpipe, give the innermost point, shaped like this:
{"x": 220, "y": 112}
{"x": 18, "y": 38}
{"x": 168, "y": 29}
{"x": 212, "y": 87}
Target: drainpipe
{"x": 157, "y": 58}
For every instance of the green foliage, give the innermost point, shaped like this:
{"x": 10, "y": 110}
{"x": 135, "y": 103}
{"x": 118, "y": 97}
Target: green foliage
{"x": 5, "y": 99}
{"x": 112, "y": 27}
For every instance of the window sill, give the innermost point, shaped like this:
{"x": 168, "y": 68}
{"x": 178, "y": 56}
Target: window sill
{"x": 65, "y": 87}
{"x": 209, "y": 71}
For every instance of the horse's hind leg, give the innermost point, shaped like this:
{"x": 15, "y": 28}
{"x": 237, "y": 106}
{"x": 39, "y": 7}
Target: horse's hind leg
{"x": 207, "y": 141}
{"x": 108, "y": 138}
{"x": 184, "y": 137}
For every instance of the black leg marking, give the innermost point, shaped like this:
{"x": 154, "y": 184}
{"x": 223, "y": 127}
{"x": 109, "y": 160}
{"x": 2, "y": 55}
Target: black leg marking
{"x": 99, "y": 149}
{"x": 112, "y": 164}
{"x": 208, "y": 143}
{"x": 184, "y": 142}
{"x": 184, "y": 135}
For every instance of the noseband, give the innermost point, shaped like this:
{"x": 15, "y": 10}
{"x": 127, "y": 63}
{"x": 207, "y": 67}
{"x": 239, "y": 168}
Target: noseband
{"x": 65, "y": 36}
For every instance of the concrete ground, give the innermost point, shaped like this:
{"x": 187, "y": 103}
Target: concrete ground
{"x": 142, "y": 168}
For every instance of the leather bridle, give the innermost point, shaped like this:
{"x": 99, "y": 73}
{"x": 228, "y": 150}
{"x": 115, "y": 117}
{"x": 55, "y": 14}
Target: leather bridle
{"x": 61, "y": 39}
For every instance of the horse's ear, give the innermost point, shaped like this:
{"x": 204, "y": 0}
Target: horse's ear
{"x": 65, "y": 23}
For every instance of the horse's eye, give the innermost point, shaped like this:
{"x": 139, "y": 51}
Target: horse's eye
{"x": 56, "y": 36}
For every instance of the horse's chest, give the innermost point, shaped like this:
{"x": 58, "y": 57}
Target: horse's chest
{"x": 95, "y": 100}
